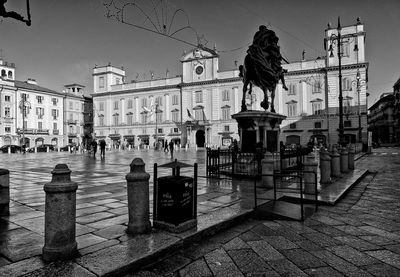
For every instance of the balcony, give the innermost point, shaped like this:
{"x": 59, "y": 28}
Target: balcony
{"x": 33, "y": 131}
{"x": 73, "y": 122}
{"x": 72, "y": 134}
{"x": 56, "y": 132}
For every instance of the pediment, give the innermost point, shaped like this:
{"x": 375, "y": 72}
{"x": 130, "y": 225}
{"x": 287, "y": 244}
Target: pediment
{"x": 198, "y": 53}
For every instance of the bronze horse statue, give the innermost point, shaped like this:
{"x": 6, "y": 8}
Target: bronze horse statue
{"x": 262, "y": 67}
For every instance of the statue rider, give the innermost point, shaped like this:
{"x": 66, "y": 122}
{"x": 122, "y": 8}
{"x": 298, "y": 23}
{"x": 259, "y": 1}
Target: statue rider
{"x": 12, "y": 14}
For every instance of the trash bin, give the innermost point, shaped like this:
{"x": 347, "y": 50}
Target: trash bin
{"x": 175, "y": 199}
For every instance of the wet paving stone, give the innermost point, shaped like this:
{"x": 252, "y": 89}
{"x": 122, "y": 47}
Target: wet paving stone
{"x": 265, "y": 250}
{"x": 386, "y": 256}
{"x": 22, "y": 267}
{"x": 357, "y": 243}
{"x": 60, "y": 269}
{"x": 170, "y": 265}
{"x": 198, "y": 268}
{"x": 221, "y": 264}
{"x": 302, "y": 258}
{"x": 382, "y": 270}
{"x": 323, "y": 272}
{"x": 352, "y": 255}
{"x": 285, "y": 267}
{"x": 248, "y": 261}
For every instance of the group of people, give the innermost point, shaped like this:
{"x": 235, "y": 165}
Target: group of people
{"x": 169, "y": 147}
{"x": 102, "y": 144}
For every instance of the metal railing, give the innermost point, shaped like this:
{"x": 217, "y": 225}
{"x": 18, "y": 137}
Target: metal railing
{"x": 292, "y": 176}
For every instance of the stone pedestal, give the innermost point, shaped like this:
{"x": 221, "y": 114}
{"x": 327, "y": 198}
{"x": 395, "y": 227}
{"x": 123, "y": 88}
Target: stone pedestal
{"x": 352, "y": 152}
{"x": 267, "y": 165}
{"x": 4, "y": 192}
{"x": 60, "y": 216}
{"x": 344, "y": 160}
{"x": 257, "y": 127}
{"x": 325, "y": 166}
{"x": 310, "y": 181}
{"x": 335, "y": 162}
{"x": 138, "y": 198}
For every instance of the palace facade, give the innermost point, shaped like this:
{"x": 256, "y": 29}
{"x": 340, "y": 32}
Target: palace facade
{"x": 195, "y": 108}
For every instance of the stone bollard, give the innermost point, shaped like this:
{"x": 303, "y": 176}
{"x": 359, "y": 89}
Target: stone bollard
{"x": 267, "y": 167}
{"x": 310, "y": 164}
{"x": 9, "y": 150}
{"x": 138, "y": 198}
{"x": 4, "y": 192}
{"x": 352, "y": 152}
{"x": 335, "y": 162}
{"x": 60, "y": 216}
{"x": 325, "y": 166}
{"x": 47, "y": 149}
{"x": 344, "y": 160}
{"x": 129, "y": 147}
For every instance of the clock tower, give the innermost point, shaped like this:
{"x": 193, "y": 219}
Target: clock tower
{"x": 200, "y": 64}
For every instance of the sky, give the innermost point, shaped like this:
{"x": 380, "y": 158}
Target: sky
{"x": 68, "y": 38}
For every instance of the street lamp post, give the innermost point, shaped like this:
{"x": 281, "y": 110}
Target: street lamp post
{"x": 155, "y": 134}
{"x": 359, "y": 106}
{"x": 338, "y": 39}
{"x": 24, "y": 105}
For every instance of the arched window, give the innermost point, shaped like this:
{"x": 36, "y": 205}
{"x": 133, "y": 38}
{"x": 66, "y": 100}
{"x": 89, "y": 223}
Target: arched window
{"x": 10, "y": 75}
{"x": 3, "y": 73}
{"x": 346, "y": 84}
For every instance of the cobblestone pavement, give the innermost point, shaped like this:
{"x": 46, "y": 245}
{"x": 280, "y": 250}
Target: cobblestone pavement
{"x": 360, "y": 236}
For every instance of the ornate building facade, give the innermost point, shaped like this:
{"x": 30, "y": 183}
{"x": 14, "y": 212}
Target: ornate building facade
{"x": 196, "y": 107}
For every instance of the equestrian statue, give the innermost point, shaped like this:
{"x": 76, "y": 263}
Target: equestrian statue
{"x": 262, "y": 67}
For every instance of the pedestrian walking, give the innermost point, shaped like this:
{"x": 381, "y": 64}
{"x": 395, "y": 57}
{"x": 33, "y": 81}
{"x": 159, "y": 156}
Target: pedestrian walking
{"x": 102, "y": 148}
{"x": 171, "y": 149}
{"x": 166, "y": 146}
{"x": 94, "y": 147}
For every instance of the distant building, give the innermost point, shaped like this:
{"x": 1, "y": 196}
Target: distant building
{"x": 195, "y": 108}
{"x": 381, "y": 120}
{"x": 74, "y": 108}
{"x": 28, "y": 111}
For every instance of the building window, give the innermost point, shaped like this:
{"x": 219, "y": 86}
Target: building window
{"x": 226, "y": 128}
{"x": 101, "y": 121}
{"x": 115, "y": 118}
{"x": 317, "y": 108}
{"x": 225, "y": 95}
{"x": 292, "y": 109}
{"x": 347, "y": 123}
{"x": 143, "y": 118}
{"x": 117, "y": 81}
{"x": 159, "y": 100}
{"x": 40, "y": 125}
{"x": 71, "y": 105}
{"x": 226, "y": 113}
{"x": 292, "y": 89}
{"x": 101, "y": 82}
{"x": 54, "y": 114}
{"x": 7, "y": 98}
{"x": 346, "y": 84}
{"x": 292, "y": 126}
{"x": 115, "y": 105}
{"x": 40, "y": 112}
{"x": 101, "y": 108}
{"x": 144, "y": 102}
{"x": 130, "y": 104}
{"x": 175, "y": 99}
{"x": 316, "y": 87}
{"x": 55, "y": 126}
{"x": 7, "y": 129}
{"x": 199, "y": 96}
{"x": 346, "y": 106}
{"x": 345, "y": 49}
{"x": 159, "y": 117}
{"x": 7, "y": 112}
{"x": 3, "y": 73}
{"x": 175, "y": 116}
{"x": 198, "y": 114}
{"x": 39, "y": 99}
{"x": 54, "y": 100}
{"x": 24, "y": 96}
{"x": 71, "y": 117}
{"x": 130, "y": 119}
{"x": 318, "y": 125}
{"x": 175, "y": 130}
{"x": 159, "y": 131}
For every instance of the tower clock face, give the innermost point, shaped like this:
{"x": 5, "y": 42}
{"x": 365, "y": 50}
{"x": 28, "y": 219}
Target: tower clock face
{"x": 199, "y": 70}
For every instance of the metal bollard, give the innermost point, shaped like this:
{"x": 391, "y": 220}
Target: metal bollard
{"x": 60, "y": 216}
{"x": 309, "y": 178}
{"x": 344, "y": 160}
{"x": 267, "y": 167}
{"x": 4, "y": 192}
{"x": 335, "y": 162}
{"x": 138, "y": 198}
{"x": 325, "y": 166}
{"x": 352, "y": 152}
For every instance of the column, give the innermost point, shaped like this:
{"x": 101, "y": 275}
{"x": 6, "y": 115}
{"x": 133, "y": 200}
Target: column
{"x": 304, "y": 108}
{"x": 136, "y": 109}
{"x": 123, "y": 115}
{"x": 279, "y": 95}
{"x": 236, "y": 100}
{"x": 167, "y": 107}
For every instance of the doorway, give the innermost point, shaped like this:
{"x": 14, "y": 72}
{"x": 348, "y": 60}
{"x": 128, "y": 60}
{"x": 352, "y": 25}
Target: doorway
{"x": 200, "y": 138}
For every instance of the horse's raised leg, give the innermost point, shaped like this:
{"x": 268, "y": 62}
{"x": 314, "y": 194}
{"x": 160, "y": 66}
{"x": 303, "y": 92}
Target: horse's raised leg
{"x": 272, "y": 100}
{"x": 245, "y": 84}
{"x": 264, "y": 104}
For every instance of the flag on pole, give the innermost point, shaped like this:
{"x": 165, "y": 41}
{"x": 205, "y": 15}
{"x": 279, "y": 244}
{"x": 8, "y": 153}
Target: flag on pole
{"x": 189, "y": 114}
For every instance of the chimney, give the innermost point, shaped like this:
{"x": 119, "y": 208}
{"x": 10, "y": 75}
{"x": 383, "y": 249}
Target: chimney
{"x": 31, "y": 81}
